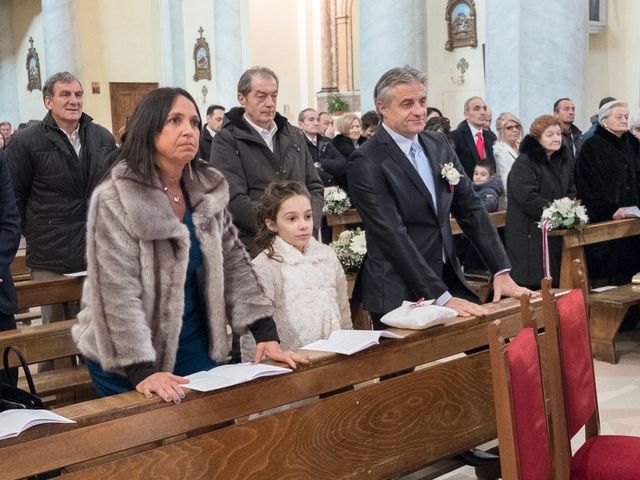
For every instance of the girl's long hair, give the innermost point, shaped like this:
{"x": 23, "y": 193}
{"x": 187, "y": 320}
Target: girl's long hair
{"x": 268, "y": 207}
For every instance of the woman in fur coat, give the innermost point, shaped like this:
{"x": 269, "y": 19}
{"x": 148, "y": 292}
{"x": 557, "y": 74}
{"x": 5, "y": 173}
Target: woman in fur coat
{"x": 165, "y": 269}
{"x": 542, "y": 173}
{"x": 301, "y": 276}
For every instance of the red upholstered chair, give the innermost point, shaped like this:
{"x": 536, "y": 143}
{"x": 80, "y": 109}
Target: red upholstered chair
{"x": 519, "y": 400}
{"x": 572, "y": 395}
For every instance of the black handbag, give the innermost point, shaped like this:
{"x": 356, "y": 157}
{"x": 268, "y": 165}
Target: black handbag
{"x": 13, "y": 397}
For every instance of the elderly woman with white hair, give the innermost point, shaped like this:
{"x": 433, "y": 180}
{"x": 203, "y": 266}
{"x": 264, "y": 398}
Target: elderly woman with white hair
{"x": 608, "y": 179}
{"x": 506, "y": 149}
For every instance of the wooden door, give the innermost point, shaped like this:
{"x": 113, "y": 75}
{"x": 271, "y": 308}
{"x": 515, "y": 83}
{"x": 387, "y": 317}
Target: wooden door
{"x": 124, "y": 98}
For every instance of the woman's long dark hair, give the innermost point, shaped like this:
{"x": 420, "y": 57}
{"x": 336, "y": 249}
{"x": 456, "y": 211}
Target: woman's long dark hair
{"x": 274, "y": 195}
{"x": 148, "y": 119}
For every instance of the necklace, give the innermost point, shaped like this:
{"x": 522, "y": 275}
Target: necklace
{"x": 177, "y": 198}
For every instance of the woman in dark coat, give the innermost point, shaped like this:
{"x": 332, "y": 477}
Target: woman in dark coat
{"x": 608, "y": 178}
{"x": 541, "y": 174}
{"x": 350, "y": 134}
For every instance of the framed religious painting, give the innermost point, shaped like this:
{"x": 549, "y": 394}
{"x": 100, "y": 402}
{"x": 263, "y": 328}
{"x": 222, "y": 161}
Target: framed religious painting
{"x": 33, "y": 69}
{"x": 461, "y": 24}
{"x": 201, "y": 58}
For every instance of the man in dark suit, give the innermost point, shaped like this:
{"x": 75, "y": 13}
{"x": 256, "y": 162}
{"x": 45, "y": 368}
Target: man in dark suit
{"x": 473, "y": 142}
{"x": 215, "y": 115}
{"x": 330, "y": 163}
{"x": 9, "y": 241}
{"x": 397, "y": 186}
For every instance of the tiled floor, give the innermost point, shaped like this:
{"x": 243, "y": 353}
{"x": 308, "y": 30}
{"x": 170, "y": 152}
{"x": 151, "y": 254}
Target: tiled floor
{"x": 618, "y": 397}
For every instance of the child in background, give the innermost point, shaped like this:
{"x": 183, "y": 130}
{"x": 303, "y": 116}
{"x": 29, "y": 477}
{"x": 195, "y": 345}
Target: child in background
{"x": 302, "y": 276}
{"x": 487, "y": 186}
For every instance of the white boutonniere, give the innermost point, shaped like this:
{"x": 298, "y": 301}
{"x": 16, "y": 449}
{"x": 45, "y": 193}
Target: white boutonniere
{"x": 451, "y": 175}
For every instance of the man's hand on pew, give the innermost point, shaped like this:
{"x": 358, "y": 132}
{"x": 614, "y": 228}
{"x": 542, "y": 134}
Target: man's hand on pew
{"x": 164, "y": 384}
{"x": 504, "y": 286}
{"x": 466, "y": 308}
{"x": 273, "y": 351}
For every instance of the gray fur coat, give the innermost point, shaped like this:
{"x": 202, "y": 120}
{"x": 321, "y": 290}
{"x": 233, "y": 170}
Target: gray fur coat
{"x": 137, "y": 256}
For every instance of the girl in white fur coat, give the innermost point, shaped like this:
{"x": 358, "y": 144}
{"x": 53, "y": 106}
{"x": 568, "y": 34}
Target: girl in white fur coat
{"x": 302, "y": 276}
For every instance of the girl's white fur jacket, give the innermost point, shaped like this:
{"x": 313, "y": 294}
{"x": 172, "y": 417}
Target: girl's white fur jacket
{"x": 137, "y": 256}
{"x": 309, "y": 291}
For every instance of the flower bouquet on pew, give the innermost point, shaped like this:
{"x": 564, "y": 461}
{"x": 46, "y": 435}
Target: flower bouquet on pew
{"x": 350, "y": 249}
{"x": 336, "y": 201}
{"x": 563, "y": 213}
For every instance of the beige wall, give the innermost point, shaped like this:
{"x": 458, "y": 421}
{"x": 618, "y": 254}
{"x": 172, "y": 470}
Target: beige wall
{"x": 120, "y": 43}
{"x": 27, "y": 22}
{"x": 284, "y": 35}
{"x": 613, "y": 67}
{"x": 445, "y": 90}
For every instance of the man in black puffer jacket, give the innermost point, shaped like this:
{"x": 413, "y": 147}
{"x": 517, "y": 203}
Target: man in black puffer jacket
{"x": 55, "y": 165}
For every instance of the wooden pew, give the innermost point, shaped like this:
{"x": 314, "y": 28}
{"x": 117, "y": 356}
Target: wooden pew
{"x": 20, "y": 272}
{"x": 50, "y": 342}
{"x": 339, "y": 223}
{"x": 70, "y": 383}
{"x": 35, "y": 293}
{"x": 380, "y": 429}
{"x": 19, "y": 269}
{"x": 606, "y": 309}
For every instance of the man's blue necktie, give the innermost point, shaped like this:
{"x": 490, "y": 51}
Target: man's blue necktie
{"x": 421, "y": 164}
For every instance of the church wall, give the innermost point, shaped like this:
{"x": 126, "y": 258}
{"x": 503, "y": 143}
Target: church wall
{"x": 277, "y": 39}
{"x": 120, "y": 43}
{"x": 446, "y": 90}
{"x": 27, "y": 21}
{"x": 613, "y": 69}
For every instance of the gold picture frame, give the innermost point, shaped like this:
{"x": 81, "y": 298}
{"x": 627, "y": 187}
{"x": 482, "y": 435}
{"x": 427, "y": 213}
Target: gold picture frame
{"x": 461, "y": 24}
{"x": 201, "y": 58}
{"x": 33, "y": 68}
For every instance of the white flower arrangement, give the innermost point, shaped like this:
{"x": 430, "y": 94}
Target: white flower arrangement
{"x": 350, "y": 249}
{"x": 450, "y": 174}
{"x": 335, "y": 201}
{"x": 564, "y": 213}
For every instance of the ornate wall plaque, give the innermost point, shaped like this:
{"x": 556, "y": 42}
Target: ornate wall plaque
{"x": 202, "y": 58}
{"x": 33, "y": 68}
{"x": 461, "y": 24}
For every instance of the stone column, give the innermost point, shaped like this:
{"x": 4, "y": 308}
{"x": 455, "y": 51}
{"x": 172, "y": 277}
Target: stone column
{"x": 62, "y": 46}
{"x": 172, "y": 44}
{"x": 329, "y": 47}
{"x": 536, "y": 52}
{"x": 228, "y": 51}
{"x": 392, "y": 33}
{"x": 9, "y": 105}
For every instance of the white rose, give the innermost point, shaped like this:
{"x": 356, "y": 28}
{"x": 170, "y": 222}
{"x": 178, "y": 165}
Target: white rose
{"x": 453, "y": 177}
{"x": 359, "y": 244}
{"x": 340, "y": 195}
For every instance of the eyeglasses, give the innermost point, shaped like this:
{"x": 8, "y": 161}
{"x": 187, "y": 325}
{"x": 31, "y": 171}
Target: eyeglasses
{"x": 512, "y": 127}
